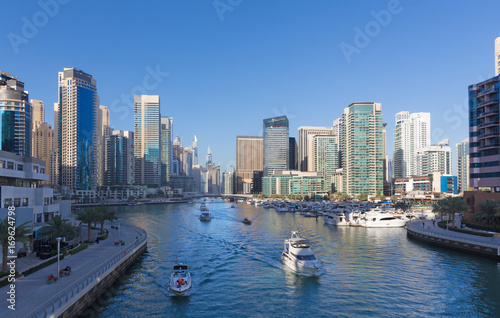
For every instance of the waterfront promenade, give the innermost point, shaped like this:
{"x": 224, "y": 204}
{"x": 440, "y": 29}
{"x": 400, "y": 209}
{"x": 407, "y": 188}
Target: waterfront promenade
{"x": 34, "y": 293}
{"x": 430, "y": 232}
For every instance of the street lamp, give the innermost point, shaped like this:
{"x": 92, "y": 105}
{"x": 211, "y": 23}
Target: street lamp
{"x": 119, "y": 230}
{"x": 58, "y": 249}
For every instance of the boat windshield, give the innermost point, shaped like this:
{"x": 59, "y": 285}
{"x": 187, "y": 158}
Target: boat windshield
{"x": 299, "y": 244}
{"x": 306, "y": 257}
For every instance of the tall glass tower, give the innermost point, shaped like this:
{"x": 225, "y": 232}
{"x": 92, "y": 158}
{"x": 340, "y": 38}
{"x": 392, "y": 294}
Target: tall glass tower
{"x": 276, "y": 144}
{"x": 147, "y": 139}
{"x": 362, "y": 153}
{"x": 76, "y": 137}
{"x": 166, "y": 148}
{"x": 15, "y": 113}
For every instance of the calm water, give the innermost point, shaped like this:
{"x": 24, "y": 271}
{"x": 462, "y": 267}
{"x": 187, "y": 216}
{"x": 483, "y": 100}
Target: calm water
{"x": 237, "y": 272}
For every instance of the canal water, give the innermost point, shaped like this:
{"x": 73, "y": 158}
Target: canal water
{"x": 236, "y": 269}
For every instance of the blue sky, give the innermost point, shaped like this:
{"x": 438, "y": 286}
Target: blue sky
{"x": 232, "y": 63}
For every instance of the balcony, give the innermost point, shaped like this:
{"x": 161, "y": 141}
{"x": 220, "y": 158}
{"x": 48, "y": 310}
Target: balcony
{"x": 487, "y": 102}
{"x": 492, "y": 145}
{"x": 491, "y": 123}
{"x": 486, "y": 114}
{"x": 488, "y": 91}
{"x": 488, "y": 135}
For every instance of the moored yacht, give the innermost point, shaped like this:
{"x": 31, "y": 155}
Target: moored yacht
{"x": 297, "y": 255}
{"x": 338, "y": 219}
{"x": 180, "y": 279}
{"x": 377, "y": 219}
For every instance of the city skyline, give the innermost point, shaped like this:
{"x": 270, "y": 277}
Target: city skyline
{"x": 304, "y": 75}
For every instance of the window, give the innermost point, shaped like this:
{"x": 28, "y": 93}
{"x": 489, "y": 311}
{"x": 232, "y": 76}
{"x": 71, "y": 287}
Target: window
{"x": 10, "y": 165}
{"x": 35, "y": 169}
{"x": 2, "y": 164}
{"x": 42, "y": 170}
{"x": 7, "y": 203}
{"x": 20, "y": 167}
{"x": 38, "y": 217}
{"x": 46, "y": 201}
{"x": 17, "y": 202}
{"x": 25, "y": 201}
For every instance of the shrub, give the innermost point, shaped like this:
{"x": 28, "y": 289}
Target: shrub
{"x": 42, "y": 265}
{"x": 104, "y": 236}
{"x": 483, "y": 227}
{"x": 442, "y": 224}
{"x": 78, "y": 249}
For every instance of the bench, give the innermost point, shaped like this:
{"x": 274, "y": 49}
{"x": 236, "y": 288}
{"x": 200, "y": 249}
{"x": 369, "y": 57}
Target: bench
{"x": 51, "y": 278}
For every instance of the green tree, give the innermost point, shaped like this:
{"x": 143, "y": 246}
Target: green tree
{"x": 490, "y": 212}
{"x": 58, "y": 227}
{"x": 103, "y": 214}
{"x": 307, "y": 198}
{"x": 87, "y": 216}
{"x": 362, "y": 197}
{"x": 19, "y": 235}
{"x": 450, "y": 206}
{"x": 394, "y": 199}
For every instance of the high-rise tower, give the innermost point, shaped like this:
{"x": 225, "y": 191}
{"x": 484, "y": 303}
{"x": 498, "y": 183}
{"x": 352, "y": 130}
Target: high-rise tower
{"x": 276, "y": 144}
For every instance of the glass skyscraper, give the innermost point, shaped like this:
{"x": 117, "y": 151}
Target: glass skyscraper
{"x": 15, "y": 115}
{"x": 147, "y": 140}
{"x": 463, "y": 165}
{"x": 76, "y": 120}
{"x": 276, "y": 144}
{"x": 166, "y": 148}
{"x": 362, "y": 153}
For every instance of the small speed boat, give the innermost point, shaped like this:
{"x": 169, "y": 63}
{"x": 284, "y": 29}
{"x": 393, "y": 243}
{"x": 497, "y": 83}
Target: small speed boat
{"x": 298, "y": 255}
{"x": 205, "y": 216}
{"x": 180, "y": 279}
{"x": 247, "y": 221}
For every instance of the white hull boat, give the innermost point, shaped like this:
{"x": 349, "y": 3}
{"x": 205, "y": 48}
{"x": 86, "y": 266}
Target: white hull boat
{"x": 335, "y": 219}
{"x": 180, "y": 279}
{"x": 205, "y": 216}
{"x": 376, "y": 219}
{"x": 299, "y": 257}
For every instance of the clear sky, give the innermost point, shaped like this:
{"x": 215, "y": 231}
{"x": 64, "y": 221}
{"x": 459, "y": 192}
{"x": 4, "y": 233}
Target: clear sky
{"x": 232, "y": 63}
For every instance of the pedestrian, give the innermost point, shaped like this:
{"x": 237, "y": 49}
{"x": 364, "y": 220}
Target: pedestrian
{"x": 136, "y": 240}
{"x": 97, "y": 240}
{"x": 433, "y": 222}
{"x": 423, "y": 225}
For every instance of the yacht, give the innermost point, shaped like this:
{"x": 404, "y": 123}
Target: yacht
{"x": 203, "y": 207}
{"x": 335, "y": 219}
{"x": 297, "y": 255}
{"x": 377, "y": 219}
{"x": 180, "y": 279}
{"x": 205, "y": 216}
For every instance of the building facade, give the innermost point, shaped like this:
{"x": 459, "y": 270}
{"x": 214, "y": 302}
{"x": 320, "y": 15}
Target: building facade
{"x": 463, "y": 165}
{"x": 76, "y": 134}
{"x": 484, "y": 134}
{"x": 166, "y": 148}
{"x": 119, "y": 159}
{"x": 362, "y": 153}
{"x": 276, "y": 144}
{"x": 15, "y": 115}
{"x": 304, "y": 135}
{"x": 228, "y": 177}
{"x": 147, "y": 140}
{"x": 411, "y": 133}
{"x": 324, "y": 157}
{"x": 249, "y": 158}
{"x": 292, "y": 154}
{"x": 434, "y": 158}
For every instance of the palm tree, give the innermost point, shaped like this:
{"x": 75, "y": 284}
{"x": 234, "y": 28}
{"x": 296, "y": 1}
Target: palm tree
{"x": 58, "y": 227}
{"x": 490, "y": 212}
{"x": 87, "y": 216}
{"x": 104, "y": 214}
{"x": 5, "y": 233}
{"x": 362, "y": 197}
{"x": 451, "y": 206}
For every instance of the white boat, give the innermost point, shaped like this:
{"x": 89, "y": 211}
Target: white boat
{"x": 377, "y": 219}
{"x": 297, "y": 255}
{"x": 180, "y": 279}
{"x": 335, "y": 219}
{"x": 203, "y": 207}
{"x": 205, "y": 216}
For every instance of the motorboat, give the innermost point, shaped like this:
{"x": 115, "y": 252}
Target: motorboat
{"x": 180, "y": 279}
{"x": 377, "y": 219}
{"x": 247, "y": 221}
{"x": 297, "y": 255}
{"x": 203, "y": 207}
{"x": 335, "y": 219}
{"x": 205, "y": 216}
{"x": 232, "y": 206}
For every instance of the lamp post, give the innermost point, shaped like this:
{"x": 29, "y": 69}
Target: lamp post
{"x": 58, "y": 249}
{"x": 119, "y": 230}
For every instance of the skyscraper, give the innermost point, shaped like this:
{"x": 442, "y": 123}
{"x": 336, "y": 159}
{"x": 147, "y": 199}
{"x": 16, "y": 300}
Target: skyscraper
{"x": 166, "y": 148}
{"x": 304, "y": 135}
{"x": 434, "y": 158}
{"x": 76, "y": 133}
{"x": 249, "y": 158}
{"x": 292, "y": 154}
{"x": 362, "y": 154}
{"x": 276, "y": 144}
{"x": 324, "y": 157}
{"x": 43, "y": 145}
{"x": 337, "y": 131}
{"x": 484, "y": 138}
{"x": 103, "y": 131}
{"x": 147, "y": 139}
{"x": 228, "y": 177}
{"x": 15, "y": 113}
{"x": 463, "y": 165}
{"x": 209, "y": 156}
{"x": 117, "y": 158}
{"x": 497, "y": 56}
{"x": 412, "y": 132}
{"x": 194, "y": 146}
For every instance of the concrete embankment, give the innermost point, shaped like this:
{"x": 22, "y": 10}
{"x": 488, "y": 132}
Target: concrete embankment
{"x": 432, "y": 234}
{"x": 74, "y": 297}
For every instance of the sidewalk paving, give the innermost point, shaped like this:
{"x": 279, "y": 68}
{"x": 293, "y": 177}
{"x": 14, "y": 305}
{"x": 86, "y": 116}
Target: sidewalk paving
{"x": 33, "y": 290}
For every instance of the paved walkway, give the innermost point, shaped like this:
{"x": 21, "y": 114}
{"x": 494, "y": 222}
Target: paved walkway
{"x": 32, "y": 291}
{"x": 430, "y": 228}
